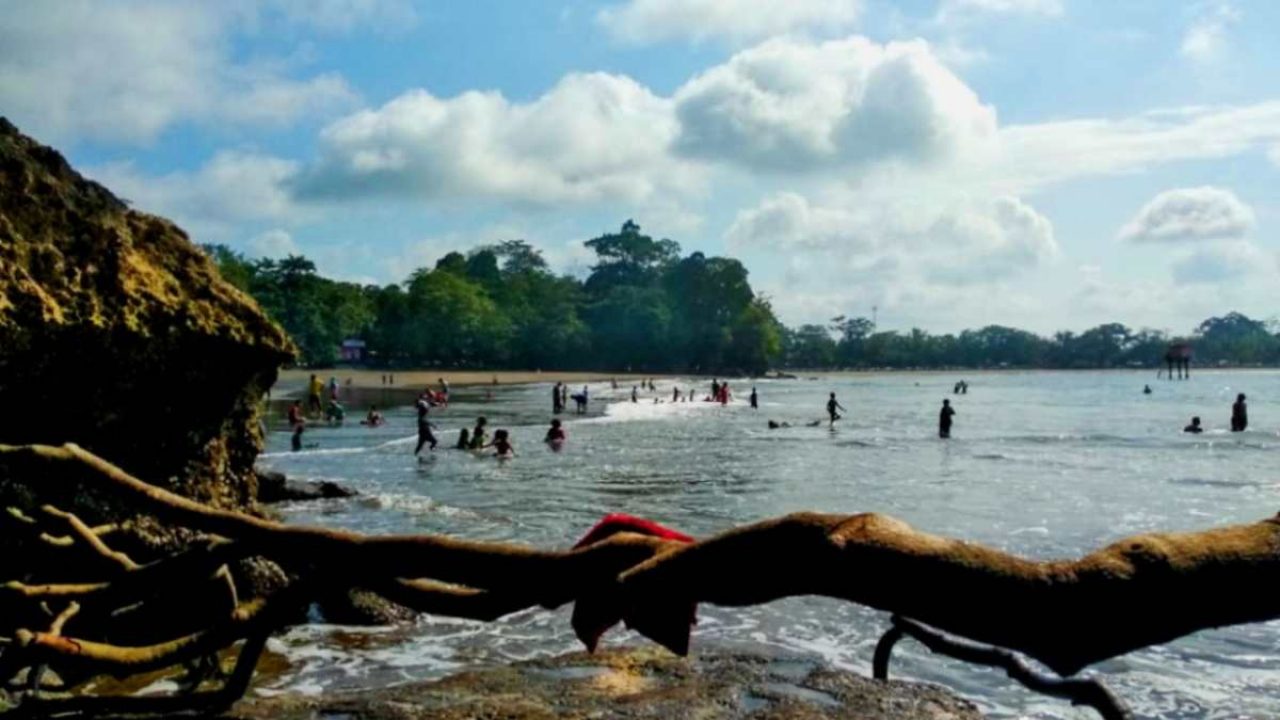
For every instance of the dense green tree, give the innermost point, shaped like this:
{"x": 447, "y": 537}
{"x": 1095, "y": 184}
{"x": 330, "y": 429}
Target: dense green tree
{"x": 645, "y": 308}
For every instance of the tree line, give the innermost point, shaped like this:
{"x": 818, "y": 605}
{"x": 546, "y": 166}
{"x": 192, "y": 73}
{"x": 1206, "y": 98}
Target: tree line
{"x": 647, "y": 308}
{"x": 643, "y": 307}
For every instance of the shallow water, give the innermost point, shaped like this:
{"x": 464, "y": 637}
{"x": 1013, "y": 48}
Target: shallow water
{"x": 1041, "y": 464}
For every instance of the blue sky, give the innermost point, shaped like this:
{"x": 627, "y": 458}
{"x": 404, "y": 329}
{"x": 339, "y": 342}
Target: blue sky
{"x": 1043, "y": 163}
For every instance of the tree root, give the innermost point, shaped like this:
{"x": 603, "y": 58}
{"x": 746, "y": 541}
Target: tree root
{"x": 1107, "y": 603}
{"x": 1089, "y": 692}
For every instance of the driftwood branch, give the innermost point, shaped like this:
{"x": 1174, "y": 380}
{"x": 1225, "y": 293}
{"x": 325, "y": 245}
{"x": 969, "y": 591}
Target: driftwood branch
{"x": 1087, "y": 692}
{"x": 1101, "y": 605}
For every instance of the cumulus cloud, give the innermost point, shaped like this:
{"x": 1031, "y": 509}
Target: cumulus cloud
{"x": 127, "y": 70}
{"x": 789, "y": 105}
{"x": 647, "y": 21}
{"x": 274, "y": 244}
{"x": 1206, "y": 38}
{"x": 230, "y": 188}
{"x": 970, "y": 243}
{"x": 591, "y": 136}
{"x": 1182, "y": 214}
{"x": 1222, "y": 262}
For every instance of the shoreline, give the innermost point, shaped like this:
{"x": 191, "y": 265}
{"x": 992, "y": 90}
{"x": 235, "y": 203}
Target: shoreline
{"x": 415, "y": 379}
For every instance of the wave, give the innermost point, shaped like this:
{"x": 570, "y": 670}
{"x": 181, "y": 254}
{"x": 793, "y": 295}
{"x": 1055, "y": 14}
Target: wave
{"x": 412, "y": 504}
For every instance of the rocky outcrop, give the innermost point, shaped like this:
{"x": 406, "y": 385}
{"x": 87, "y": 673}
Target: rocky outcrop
{"x": 641, "y": 683}
{"x": 117, "y": 333}
{"x": 274, "y": 487}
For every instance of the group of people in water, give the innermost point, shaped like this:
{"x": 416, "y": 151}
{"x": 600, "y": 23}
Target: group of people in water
{"x": 1239, "y": 417}
{"x": 477, "y": 438}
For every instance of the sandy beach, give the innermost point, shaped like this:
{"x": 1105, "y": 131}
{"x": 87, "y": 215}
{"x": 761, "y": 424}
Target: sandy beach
{"x": 417, "y": 379}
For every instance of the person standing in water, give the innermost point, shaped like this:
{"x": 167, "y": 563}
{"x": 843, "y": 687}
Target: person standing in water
{"x": 502, "y": 444}
{"x": 556, "y": 405}
{"x": 1239, "y": 415}
{"x": 478, "y": 435}
{"x": 832, "y": 407}
{"x": 715, "y": 389}
{"x": 634, "y": 396}
{"x": 425, "y": 436}
{"x": 755, "y": 399}
{"x": 944, "y": 419}
{"x": 1146, "y": 389}
{"x": 315, "y": 388}
{"x": 564, "y": 395}
{"x": 555, "y": 435}
{"x": 1194, "y": 427}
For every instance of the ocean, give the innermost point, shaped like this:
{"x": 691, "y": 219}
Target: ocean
{"x": 1042, "y": 464}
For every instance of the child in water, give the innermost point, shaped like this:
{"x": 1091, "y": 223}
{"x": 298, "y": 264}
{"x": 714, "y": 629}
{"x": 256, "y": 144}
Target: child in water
{"x": 478, "y": 435}
{"x": 1194, "y": 427}
{"x": 464, "y": 439}
{"x": 555, "y": 435}
{"x": 502, "y": 444}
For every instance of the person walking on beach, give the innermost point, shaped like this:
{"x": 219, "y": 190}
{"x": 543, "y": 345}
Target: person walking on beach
{"x": 944, "y": 419}
{"x": 755, "y": 399}
{"x": 425, "y": 436}
{"x": 1239, "y": 415}
{"x": 557, "y": 405}
{"x": 832, "y": 407}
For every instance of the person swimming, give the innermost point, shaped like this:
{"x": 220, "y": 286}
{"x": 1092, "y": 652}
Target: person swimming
{"x": 373, "y": 418}
{"x": 774, "y": 424}
{"x": 944, "y": 419}
{"x": 555, "y": 435}
{"x": 1194, "y": 427}
{"x": 502, "y": 444}
{"x": 1239, "y": 414}
{"x": 464, "y": 439}
{"x": 832, "y": 407}
{"x": 1146, "y": 389}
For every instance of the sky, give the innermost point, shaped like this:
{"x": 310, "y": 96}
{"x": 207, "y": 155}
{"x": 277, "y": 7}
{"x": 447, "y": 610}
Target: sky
{"x": 1046, "y": 164}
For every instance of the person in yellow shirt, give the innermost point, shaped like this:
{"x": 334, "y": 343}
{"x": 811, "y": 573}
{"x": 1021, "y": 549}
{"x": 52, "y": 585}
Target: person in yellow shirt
{"x": 314, "y": 390}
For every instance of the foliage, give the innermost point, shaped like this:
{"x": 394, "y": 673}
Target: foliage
{"x": 643, "y": 307}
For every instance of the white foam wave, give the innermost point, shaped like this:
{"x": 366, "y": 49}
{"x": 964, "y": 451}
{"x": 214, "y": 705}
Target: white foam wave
{"x": 639, "y": 411}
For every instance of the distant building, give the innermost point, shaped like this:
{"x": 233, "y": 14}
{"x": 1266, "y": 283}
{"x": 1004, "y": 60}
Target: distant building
{"x": 351, "y": 351}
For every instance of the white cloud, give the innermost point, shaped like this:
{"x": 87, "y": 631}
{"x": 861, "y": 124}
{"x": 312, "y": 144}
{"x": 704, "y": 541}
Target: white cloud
{"x": 647, "y": 21}
{"x": 794, "y": 105}
{"x": 590, "y": 137}
{"x": 1199, "y": 213}
{"x": 232, "y": 187}
{"x": 950, "y": 9}
{"x": 1035, "y": 155}
{"x": 127, "y": 70}
{"x": 899, "y": 252}
{"x": 1222, "y": 262}
{"x": 1206, "y": 38}
{"x": 274, "y": 244}
{"x": 339, "y": 15}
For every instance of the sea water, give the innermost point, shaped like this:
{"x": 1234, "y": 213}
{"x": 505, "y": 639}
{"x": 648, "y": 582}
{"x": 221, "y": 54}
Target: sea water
{"x": 1042, "y": 464}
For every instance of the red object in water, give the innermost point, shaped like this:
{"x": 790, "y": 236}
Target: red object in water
{"x": 614, "y": 523}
